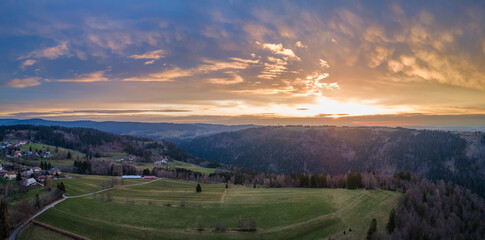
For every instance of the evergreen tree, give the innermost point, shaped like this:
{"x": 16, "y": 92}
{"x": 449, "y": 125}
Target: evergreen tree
{"x": 61, "y": 187}
{"x": 37, "y": 201}
{"x": 69, "y": 155}
{"x": 19, "y": 176}
{"x": 49, "y": 166}
{"x": 198, "y": 188}
{"x": 372, "y": 229}
{"x": 391, "y": 224}
{"x": 30, "y": 148}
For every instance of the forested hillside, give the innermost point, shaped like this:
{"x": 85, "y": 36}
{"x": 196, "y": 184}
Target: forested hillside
{"x": 85, "y": 140}
{"x": 457, "y": 157}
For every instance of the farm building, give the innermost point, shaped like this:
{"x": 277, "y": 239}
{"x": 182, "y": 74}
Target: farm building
{"x": 150, "y": 177}
{"x": 29, "y": 181}
{"x": 131, "y": 177}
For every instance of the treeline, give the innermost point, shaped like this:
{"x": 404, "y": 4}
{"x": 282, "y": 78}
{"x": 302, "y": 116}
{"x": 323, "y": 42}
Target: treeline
{"x": 439, "y": 211}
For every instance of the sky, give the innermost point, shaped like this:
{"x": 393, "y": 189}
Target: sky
{"x": 384, "y": 63}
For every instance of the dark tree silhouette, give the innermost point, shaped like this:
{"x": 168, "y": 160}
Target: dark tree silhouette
{"x": 372, "y": 229}
{"x": 391, "y": 223}
{"x": 4, "y": 219}
{"x": 198, "y": 188}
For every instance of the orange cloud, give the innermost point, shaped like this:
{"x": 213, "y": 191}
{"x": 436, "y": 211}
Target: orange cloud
{"x": 24, "y": 82}
{"x": 87, "y": 77}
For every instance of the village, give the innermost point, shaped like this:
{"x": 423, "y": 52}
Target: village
{"x": 20, "y": 166}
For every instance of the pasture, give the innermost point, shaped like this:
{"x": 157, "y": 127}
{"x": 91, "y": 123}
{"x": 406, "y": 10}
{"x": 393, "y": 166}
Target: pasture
{"x": 169, "y": 209}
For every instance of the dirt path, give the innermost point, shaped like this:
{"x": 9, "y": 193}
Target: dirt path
{"x": 223, "y": 196}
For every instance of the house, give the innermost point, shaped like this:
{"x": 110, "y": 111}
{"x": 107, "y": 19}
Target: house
{"x": 22, "y": 142}
{"x": 47, "y": 154}
{"x": 10, "y": 175}
{"x": 131, "y": 177}
{"x": 26, "y": 174}
{"x": 149, "y": 177}
{"x": 36, "y": 170}
{"x": 27, "y": 154}
{"x": 7, "y": 165}
{"x": 54, "y": 171}
{"x": 41, "y": 178}
{"x": 17, "y": 154}
{"x": 29, "y": 181}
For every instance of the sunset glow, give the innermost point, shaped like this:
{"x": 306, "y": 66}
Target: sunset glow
{"x": 242, "y": 61}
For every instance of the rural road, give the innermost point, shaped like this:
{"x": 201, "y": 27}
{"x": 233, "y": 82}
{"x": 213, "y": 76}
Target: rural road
{"x": 17, "y": 230}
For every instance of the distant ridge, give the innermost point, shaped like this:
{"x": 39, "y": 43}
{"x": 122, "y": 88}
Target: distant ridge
{"x": 158, "y": 131}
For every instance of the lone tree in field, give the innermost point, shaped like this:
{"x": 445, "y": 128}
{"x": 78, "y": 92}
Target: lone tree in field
{"x": 240, "y": 223}
{"x": 69, "y": 155}
{"x": 391, "y": 224}
{"x": 252, "y": 224}
{"x": 198, "y": 188}
{"x": 200, "y": 223}
{"x": 372, "y": 229}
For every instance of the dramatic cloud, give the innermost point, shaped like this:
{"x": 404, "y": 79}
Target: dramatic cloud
{"x": 163, "y": 76}
{"x": 24, "y": 82}
{"x": 273, "y": 68}
{"x": 279, "y": 49}
{"x": 244, "y": 59}
{"x": 234, "y": 80}
{"x": 86, "y": 77}
{"x": 49, "y": 53}
{"x": 157, "y": 54}
{"x": 28, "y": 62}
{"x": 300, "y": 45}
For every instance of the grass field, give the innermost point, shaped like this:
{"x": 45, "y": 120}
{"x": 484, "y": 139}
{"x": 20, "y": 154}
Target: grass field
{"x": 179, "y": 164}
{"x": 82, "y": 184}
{"x": 39, "y": 233}
{"x": 45, "y": 148}
{"x": 167, "y": 209}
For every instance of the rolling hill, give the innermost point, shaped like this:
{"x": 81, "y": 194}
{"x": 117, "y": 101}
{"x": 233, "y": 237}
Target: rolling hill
{"x": 457, "y": 157}
{"x": 157, "y": 131}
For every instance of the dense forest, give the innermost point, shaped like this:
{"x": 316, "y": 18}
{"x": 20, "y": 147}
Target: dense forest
{"x": 456, "y": 157}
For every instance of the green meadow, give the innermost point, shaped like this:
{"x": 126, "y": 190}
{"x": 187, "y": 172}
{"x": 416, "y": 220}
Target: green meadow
{"x": 169, "y": 209}
{"x": 178, "y": 164}
{"x": 51, "y": 149}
